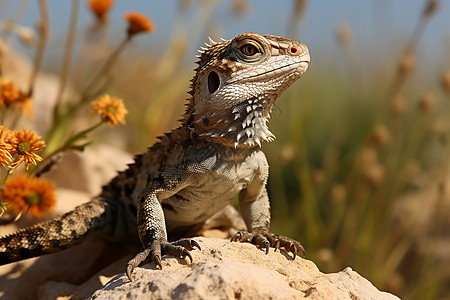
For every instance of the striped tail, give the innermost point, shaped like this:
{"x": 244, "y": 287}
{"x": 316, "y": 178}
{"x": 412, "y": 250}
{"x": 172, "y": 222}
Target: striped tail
{"x": 95, "y": 217}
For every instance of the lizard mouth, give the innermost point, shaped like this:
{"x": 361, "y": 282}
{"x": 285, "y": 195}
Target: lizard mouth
{"x": 287, "y": 69}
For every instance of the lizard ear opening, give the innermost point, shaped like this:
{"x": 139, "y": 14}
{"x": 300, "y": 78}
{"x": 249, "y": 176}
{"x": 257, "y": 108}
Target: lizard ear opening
{"x": 213, "y": 82}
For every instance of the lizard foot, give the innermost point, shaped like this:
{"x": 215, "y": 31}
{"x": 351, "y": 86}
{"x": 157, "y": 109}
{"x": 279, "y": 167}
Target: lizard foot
{"x": 157, "y": 249}
{"x": 263, "y": 239}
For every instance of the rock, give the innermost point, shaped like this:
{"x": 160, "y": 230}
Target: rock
{"x": 224, "y": 270}
{"x": 221, "y": 270}
{"x": 89, "y": 170}
{"x": 68, "y": 272}
{"x": 77, "y": 272}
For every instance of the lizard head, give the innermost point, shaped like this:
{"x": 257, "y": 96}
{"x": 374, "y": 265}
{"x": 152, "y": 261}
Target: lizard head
{"x": 236, "y": 84}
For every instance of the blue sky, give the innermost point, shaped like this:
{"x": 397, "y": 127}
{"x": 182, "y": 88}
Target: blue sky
{"x": 375, "y": 24}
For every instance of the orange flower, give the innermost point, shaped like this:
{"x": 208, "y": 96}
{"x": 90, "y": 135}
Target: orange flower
{"x": 100, "y": 7}
{"x": 9, "y": 93}
{"x": 24, "y": 144}
{"x": 138, "y": 23}
{"x": 27, "y": 105}
{"x": 5, "y": 146}
{"x": 111, "y": 109}
{"x": 22, "y": 192}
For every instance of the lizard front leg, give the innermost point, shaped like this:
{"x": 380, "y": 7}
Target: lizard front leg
{"x": 153, "y": 234}
{"x": 255, "y": 209}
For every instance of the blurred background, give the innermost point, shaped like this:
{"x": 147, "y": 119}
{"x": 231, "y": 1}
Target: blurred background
{"x": 360, "y": 166}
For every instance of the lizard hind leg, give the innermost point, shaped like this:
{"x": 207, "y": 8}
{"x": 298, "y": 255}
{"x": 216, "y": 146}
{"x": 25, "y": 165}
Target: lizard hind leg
{"x": 179, "y": 248}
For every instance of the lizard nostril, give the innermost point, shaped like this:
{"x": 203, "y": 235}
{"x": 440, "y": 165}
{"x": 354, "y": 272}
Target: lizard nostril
{"x": 294, "y": 51}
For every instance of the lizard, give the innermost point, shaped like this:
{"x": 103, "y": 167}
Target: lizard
{"x": 196, "y": 169}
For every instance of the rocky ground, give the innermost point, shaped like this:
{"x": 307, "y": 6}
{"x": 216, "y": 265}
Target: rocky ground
{"x": 224, "y": 270}
{"x": 221, "y": 270}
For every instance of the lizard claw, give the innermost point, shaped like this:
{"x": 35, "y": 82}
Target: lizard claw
{"x": 195, "y": 244}
{"x": 291, "y": 248}
{"x": 277, "y": 244}
{"x": 189, "y": 244}
{"x": 140, "y": 258}
{"x": 301, "y": 250}
{"x": 178, "y": 249}
{"x": 264, "y": 240}
{"x": 266, "y": 245}
{"x": 188, "y": 254}
{"x": 236, "y": 237}
{"x": 157, "y": 259}
{"x": 129, "y": 272}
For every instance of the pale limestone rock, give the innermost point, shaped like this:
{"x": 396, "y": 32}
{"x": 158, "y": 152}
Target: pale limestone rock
{"x": 224, "y": 270}
{"x": 68, "y": 270}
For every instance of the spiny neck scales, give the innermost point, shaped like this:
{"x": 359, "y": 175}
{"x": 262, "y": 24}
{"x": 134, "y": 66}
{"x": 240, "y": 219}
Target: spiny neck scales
{"x": 236, "y": 84}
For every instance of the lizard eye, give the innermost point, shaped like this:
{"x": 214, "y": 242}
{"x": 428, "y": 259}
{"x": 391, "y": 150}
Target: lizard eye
{"x": 249, "y": 49}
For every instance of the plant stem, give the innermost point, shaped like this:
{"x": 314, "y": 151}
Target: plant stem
{"x": 410, "y": 48}
{"x": 105, "y": 69}
{"x": 43, "y": 35}
{"x": 6, "y": 176}
{"x": 68, "y": 54}
{"x": 61, "y": 120}
{"x": 2, "y": 115}
{"x": 10, "y": 24}
{"x": 81, "y": 134}
{"x": 69, "y": 143}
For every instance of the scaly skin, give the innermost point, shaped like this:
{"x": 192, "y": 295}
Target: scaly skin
{"x": 195, "y": 170}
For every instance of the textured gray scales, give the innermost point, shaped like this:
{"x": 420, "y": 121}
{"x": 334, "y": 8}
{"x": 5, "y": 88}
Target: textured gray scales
{"x": 195, "y": 170}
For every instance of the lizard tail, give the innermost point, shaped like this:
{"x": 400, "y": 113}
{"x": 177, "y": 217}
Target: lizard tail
{"x": 51, "y": 236}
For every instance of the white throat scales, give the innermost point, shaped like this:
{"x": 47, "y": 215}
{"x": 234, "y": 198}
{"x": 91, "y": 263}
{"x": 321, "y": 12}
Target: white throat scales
{"x": 243, "y": 124}
{"x": 250, "y": 123}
